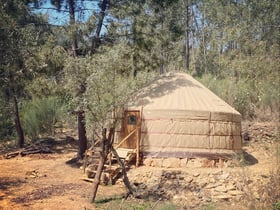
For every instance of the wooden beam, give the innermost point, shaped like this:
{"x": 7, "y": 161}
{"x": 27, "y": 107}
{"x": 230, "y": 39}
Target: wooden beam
{"x": 122, "y": 141}
{"x": 137, "y": 146}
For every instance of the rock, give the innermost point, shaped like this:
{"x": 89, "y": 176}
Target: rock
{"x": 196, "y": 174}
{"x": 194, "y": 163}
{"x": 188, "y": 179}
{"x": 217, "y": 172}
{"x": 235, "y": 192}
{"x": 158, "y": 173}
{"x": 90, "y": 173}
{"x": 179, "y": 198}
{"x": 210, "y": 186}
{"x": 206, "y": 163}
{"x": 256, "y": 195}
{"x": 148, "y": 162}
{"x": 157, "y": 163}
{"x": 223, "y": 196}
{"x": 201, "y": 183}
{"x": 212, "y": 180}
{"x": 171, "y": 163}
{"x": 184, "y": 162}
{"x": 224, "y": 176}
{"x": 221, "y": 189}
{"x": 230, "y": 187}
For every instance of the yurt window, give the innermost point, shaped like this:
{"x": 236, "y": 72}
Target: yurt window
{"x": 132, "y": 120}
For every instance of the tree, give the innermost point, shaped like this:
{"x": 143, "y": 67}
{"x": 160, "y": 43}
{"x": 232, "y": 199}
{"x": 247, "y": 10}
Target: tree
{"x": 18, "y": 48}
{"x": 72, "y": 6}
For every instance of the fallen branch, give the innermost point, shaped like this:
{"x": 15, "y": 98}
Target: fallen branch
{"x": 31, "y": 149}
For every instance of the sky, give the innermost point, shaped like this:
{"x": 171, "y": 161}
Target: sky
{"x": 62, "y": 18}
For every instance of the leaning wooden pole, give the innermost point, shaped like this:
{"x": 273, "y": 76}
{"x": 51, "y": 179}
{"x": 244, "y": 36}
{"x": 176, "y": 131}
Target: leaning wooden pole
{"x": 101, "y": 163}
{"x": 125, "y": 178}
{"x": 106, "y": 145}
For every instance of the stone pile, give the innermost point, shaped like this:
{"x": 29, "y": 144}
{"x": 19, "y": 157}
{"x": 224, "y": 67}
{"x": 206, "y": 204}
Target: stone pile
{"x": 190, "y": 189}
{"x": 188, "y": 162}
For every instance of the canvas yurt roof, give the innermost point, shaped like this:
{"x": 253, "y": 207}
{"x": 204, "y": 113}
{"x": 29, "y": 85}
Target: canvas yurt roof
{"x": 181, "y": 117}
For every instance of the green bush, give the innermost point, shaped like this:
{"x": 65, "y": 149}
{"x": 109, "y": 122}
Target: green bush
{"x": 6, "y": 121}
{"x": 276, "y": 206}
{"x": 239, "y": 94}
{"x": 41, "y": 115}
{"x": 269, "y": 95}
{"x": 243, "y": 98}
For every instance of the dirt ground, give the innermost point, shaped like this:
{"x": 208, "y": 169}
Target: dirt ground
{"x": 52, "y": 181}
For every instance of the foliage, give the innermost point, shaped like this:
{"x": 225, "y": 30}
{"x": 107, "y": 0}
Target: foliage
{"x": 276, "y": 206}
{"x": 6, "y": 122}
{"x": 42, "y": 115}
{"x": 234, "y": 49}
{"x": 108, "y": 83}
{"x": 240, "y": 98}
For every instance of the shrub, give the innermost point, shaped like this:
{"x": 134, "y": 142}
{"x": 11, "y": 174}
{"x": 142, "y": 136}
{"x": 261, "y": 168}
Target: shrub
{"x": 240, "y": 94}
{"x": 6, "y": 121}
{"x": 41, "y": 115}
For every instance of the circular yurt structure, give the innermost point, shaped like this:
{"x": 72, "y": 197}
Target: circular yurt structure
{"x": 179, "y": 117}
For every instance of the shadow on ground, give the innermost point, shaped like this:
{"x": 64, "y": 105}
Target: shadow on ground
{"x": 6, "y": 183}
{"x": 249, "y": 159}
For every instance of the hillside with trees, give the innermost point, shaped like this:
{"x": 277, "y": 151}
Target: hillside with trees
{"x": 83, "y": 66}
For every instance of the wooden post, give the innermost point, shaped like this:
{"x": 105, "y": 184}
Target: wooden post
{"x": 137, "y": 146}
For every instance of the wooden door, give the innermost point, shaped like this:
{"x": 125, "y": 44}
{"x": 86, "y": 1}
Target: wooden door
{"x": 130, "y": 123}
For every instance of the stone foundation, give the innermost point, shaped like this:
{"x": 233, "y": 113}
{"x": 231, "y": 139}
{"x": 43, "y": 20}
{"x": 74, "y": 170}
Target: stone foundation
{"x": 188, "y": 162}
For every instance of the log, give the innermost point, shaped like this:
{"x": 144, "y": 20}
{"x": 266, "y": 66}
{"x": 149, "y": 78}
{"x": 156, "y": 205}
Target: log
{"x": 31, "y": 149}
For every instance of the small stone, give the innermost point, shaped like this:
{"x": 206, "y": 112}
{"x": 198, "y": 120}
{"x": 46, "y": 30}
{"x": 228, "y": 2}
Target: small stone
{"x": 231, "y": 187}
{"x": 221, "y": 189}
{"x": 212, "y": 180}
{"x": 147, "y": 161}
{"x": 235, "y": 192}
{"x": 188, "y": 179}
{"x": 256, "y": 195}
{"x": 223, "y": 196}
{"x": 196, "y": 174}
{"x": 157, "y": 163}
{"x": 183, "y": 162}
{"x": 217, "y": 172}
{"x": 201, "y": 183}
{"x": 224, "y": 176}
{"x": 171, "y": 163}
{"x": 210, "y": 186}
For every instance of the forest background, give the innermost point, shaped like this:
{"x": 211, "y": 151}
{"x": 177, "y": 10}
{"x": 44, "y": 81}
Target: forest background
{"x": 76, "y": 72}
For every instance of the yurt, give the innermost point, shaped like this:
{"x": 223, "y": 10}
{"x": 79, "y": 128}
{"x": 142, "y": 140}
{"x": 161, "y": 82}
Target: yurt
{"x": 176, "y": 116}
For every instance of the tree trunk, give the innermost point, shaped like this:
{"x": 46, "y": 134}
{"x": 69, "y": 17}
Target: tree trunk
{"x": 105, "y": 148}
{"x": 82, "y": 134}
{"x": 187, "y": 37}
{"x": 97, "y": 177}
{"x": 71, "y": 5}
{"x": 16, "y": 117}
{"x": 81, "y": 115}
{"x": 96, "y": 37}
{"x": 18, "y": 123}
